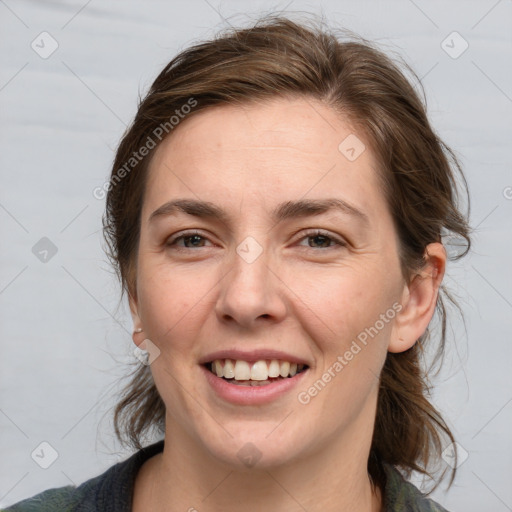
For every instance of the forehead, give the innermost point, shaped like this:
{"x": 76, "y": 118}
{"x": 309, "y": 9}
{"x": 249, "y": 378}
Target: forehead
{"x": 284, "y": 148}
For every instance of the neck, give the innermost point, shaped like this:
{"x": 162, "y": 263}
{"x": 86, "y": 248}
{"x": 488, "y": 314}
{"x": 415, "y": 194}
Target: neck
{"x": 335, "y": 479}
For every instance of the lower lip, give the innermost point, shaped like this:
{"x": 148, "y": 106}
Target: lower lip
{"x": 251, "y": 395}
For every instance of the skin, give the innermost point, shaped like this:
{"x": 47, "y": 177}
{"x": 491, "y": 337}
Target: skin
{"x": 303, "y": 295}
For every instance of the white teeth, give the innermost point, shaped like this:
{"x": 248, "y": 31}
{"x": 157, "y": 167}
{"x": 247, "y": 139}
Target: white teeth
{"x": 273, "y": 368}
{"x": 285, "y": 369}
{"x": 217, "y": 366}
{"x": 242, "y": 370}
{"x": 259, "y": 371}
{"x": 229, "y": 369}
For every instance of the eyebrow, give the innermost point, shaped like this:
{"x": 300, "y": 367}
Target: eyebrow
{"x": 287, "y": 210}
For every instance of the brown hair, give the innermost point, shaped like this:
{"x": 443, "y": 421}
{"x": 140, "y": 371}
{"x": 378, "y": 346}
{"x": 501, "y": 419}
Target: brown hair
{"x": 277, "y": 57}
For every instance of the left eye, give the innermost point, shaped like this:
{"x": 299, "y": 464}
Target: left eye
{"x": 322, "y": 238}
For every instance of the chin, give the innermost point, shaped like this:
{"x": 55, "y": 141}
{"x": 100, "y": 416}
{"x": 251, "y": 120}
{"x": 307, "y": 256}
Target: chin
{"x": 253, "y": 451}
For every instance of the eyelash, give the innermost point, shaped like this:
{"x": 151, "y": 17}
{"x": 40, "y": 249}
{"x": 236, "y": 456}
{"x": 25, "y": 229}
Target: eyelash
{"x": 309, "y": 234}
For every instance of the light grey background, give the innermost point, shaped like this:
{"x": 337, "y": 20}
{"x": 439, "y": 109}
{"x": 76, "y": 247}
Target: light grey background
{"x": 64, "y": 341}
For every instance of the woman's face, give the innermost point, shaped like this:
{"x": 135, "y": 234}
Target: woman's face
{"x": 259, "y": 284}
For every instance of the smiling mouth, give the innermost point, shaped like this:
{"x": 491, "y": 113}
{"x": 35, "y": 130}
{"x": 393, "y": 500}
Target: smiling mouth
{"x": 259, "y": 373}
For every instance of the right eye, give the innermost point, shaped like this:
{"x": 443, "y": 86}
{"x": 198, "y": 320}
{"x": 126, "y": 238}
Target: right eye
{"x": 189, "y": 236}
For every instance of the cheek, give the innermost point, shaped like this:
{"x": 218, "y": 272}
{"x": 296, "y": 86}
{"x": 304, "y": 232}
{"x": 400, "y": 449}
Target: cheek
{"x": 170, "y": 303}
{"x": 351, "y": 343}
{"x": 350, "y": 337}
{"x": 344, "y": 300}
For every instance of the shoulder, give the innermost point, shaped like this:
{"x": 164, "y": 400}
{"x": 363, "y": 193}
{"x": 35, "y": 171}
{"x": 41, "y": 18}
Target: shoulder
{"x": 63, "y": 499}
{"x": 112, "y": 490}
{"x": 52, "y": 499}
{"x": 401, "y": 495}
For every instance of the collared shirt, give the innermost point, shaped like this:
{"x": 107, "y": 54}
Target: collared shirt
{"x": 112, "y": 491}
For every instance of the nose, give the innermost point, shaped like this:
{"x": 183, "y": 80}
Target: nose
{"x": 251, "y": 292}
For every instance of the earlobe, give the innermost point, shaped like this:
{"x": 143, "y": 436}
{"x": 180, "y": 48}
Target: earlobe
{"x": 419, "y": 300}
{"x": 137, "y": 323}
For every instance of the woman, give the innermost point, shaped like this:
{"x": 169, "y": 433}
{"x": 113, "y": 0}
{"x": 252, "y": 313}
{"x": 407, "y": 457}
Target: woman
{"x": 275, "y": 213}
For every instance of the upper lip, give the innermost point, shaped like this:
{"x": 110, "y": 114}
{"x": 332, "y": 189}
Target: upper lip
{"x": 251, "y": 356}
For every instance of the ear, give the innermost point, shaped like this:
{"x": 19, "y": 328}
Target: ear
{"x": 419, "y": 300}
{"x": 137, "y": 323}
